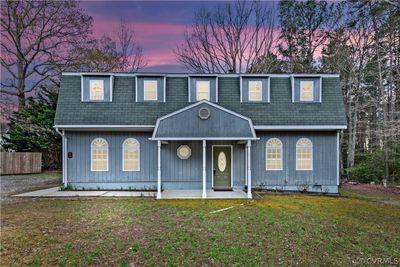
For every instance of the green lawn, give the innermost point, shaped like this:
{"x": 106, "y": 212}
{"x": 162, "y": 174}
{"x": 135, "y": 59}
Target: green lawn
{"x": 276, "y": 230}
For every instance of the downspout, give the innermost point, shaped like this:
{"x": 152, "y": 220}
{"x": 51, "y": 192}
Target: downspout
{"x": 64, "y": 159}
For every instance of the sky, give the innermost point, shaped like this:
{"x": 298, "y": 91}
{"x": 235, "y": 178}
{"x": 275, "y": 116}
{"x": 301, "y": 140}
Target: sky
{"x": 159, "y": 26}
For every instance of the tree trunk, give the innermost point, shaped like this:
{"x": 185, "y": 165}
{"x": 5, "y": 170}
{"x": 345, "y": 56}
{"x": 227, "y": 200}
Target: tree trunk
{"x": 383, "y": 97}
{"x": 352, "y": 135}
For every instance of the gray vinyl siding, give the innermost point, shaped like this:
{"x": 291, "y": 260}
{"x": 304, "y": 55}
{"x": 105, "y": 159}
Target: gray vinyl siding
{"x": 177, "y": 173}
{"x": 245, "y": 89}
{"x": 79, "y": 166}
{"x": 213, "y": 87}
{"x": 140, "y": 88}
{"x": 189, "y": 124}
{"x": 324, "y": 160}
{"x": 86, "y": 88}
{"x": 317, "y": 96}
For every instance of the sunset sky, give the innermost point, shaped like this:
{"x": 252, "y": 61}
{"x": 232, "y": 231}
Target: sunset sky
{"x": 159, "y": 26}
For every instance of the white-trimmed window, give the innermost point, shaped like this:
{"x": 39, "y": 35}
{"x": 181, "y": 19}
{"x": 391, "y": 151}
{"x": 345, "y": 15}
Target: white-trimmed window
{"x": 99, "y": 155}
{"x": 202, "y": 90}
{"x": 274, "y": 154}
{"x": 304, "y": 155}
{"x": 150, "y": 89}
{"x": 96, "y": 90}
{"x": 306, "y": 91}
{"x": 255, "y": 90}
{"x": 131, "y": 155}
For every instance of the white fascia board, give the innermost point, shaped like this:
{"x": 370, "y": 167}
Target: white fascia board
{"x": 81, "y": 88}
{"x": 165, "y": 88}
{"x": 258, "y": 75}
{"x": 216, "y": 89}
{"x": 211, "y": 104}
{"x": 241, "y": 89}
{"x": 202, "y": 138}
{"x": 203, "y": 75}
{"x": 102, "y": 126}
{"x": 300, "y": 127}
{"x": 199, "y": 74}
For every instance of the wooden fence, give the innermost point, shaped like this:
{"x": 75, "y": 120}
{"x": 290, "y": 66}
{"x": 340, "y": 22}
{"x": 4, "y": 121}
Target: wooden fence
{"x": 20, "y": 162}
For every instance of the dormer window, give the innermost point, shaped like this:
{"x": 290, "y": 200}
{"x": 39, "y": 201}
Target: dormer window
{"x": 150, "y": 90}
{"x": 96, "y": 90}
{"x": 255, "y": 90}
{"x": 306, "y": 91}
{"x": 202, "y": 90}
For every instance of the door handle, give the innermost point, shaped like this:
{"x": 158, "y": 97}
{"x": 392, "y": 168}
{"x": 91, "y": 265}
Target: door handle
{"x": 214, "y": 171}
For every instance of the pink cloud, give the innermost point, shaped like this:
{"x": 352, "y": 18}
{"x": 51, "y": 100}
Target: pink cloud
{"x": 157, "y": 39}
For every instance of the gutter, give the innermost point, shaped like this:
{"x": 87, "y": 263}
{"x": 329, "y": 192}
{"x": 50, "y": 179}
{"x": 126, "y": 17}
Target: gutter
{"x": 64, "y": 158}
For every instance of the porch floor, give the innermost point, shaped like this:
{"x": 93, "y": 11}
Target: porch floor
{"x": 55, "y": 192}
{"x": 211, "y": 194}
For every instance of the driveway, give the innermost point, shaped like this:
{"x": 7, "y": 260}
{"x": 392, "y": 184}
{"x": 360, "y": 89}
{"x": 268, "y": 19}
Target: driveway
{"x": 11, "y": 184}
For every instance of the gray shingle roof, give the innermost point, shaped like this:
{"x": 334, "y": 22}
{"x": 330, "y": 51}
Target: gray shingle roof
{"x": 123, "y": 110}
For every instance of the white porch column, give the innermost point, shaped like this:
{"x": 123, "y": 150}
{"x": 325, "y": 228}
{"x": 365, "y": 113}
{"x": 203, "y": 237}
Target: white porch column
{"x": 204, "y": 170}
{"x": 249, "y": 169}
{"x": 63, "y": 159}
{"x": 159, "y": 170}
{"x": 65, "y": 166}
{"x": 245, "y": 164}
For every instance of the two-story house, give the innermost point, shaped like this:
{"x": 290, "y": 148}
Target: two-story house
{"x": 201, "y": 131}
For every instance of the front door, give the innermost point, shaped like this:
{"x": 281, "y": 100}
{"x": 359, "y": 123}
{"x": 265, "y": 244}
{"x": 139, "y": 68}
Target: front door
{"x": 222, "y": 167}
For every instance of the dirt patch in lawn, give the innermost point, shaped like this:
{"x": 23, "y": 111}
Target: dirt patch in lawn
{"x": 372, "y": 188}
{"x": 13, "y": 184}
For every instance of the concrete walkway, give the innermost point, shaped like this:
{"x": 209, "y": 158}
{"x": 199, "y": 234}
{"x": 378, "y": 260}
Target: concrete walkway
{"x": 55, "y": 192}
{"x": 194, "y": 194}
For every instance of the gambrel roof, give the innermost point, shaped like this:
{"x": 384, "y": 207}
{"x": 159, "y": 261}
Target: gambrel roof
{"x": 124, "y": 111}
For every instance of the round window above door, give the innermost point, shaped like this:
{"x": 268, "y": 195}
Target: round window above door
{"x": 204, "y": 113}
{"x": 184, "y": 152}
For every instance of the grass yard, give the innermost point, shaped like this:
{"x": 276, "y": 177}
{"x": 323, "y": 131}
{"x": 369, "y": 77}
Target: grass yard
{"x": 275, "y": 230}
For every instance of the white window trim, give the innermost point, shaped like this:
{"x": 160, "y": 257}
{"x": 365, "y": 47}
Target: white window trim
{"x": 123, "y": 161}
{"x": 312, "y": 156}
{"x": 209, "y": 89}
{"x": 144, "y": 89}
{"x": 90, "y": 91}
{"x": 248, "y": 90}
{"x": 91, "y": 156}
{"x": 266, "y": 155}
{"x": 312, "y": 91}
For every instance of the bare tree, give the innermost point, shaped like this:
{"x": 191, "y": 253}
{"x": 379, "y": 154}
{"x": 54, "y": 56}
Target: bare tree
{"x": 36, "y": 39}
{"x": 132, "y": 58}
{"x": 231, "y": 38}
{"x": 98, "y": 55}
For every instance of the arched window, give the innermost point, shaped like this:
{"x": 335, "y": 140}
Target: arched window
{"x": 131, "y": 155}
{"x": 304, "y": 155}
{"x": 274, "y": 154}
{"x": 99, "y": 155}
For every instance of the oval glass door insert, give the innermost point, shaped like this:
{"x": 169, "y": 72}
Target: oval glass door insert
{"x": 221, "y": 161}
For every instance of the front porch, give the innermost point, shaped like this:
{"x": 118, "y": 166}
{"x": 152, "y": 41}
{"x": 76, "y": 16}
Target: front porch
{"x": 204, "y": 150}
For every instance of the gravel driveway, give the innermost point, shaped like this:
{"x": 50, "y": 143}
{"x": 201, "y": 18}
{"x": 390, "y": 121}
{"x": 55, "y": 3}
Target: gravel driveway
{"x": 12, "y": 184}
